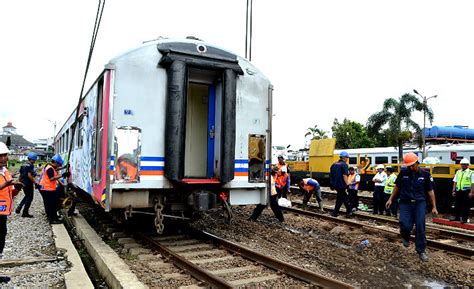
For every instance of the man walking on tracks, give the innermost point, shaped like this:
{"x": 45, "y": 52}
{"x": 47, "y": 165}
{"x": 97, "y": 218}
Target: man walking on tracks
{"x": 463, "y": 189}
{"x": 413, "y": 185}
{"x": 27, "y": 177}
{"x": 339, "y": 182}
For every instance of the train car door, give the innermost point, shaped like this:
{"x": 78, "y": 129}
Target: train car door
{"x": 201, "y": 126}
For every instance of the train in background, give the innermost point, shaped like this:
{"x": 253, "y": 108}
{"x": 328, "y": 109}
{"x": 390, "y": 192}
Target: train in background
{"x": 171, "y": 128}
{"x": 442, "y": 160}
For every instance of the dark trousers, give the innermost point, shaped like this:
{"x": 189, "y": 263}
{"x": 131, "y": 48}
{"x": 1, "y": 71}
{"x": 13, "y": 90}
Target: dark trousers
{"x": 353, "y": 198}
{"x": 462, "y": 205}
{"x": 3, "y": 232}
{"x": 50, "y": 200}
{"x": 27, "y": 199}
{"x": 393, "y": 208}
{"x": 378, "y": 198}
{"x": 273, "y": 205}
{"x": 413, "y": 213}
{"x": 341, "y": 199}
{"x": 282, "y": 193}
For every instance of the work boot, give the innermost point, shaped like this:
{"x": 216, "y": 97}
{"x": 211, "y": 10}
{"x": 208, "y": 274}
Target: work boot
{"x": 26, "y": 215}
{"x": 406, "y": 243}
{"x": 18, "y": 210}
{"x": 321, "y": 207}
{"x": 4, "y": 279}
{"x": 304, "y": 206}
{"x": 423, "y": 257}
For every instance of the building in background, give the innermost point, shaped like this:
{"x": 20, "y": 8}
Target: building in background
{"x": 17, "y": 144}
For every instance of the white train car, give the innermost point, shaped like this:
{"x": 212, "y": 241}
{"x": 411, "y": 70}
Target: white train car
{"x": 175, "y": 126}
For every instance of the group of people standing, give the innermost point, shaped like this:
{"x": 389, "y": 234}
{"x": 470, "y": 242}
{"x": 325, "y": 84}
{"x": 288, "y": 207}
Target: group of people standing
{"x": 47, "y": 183}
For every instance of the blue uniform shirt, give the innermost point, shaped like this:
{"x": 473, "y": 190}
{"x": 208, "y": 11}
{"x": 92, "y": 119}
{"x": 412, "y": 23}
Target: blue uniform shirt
{"x": 315, "y": 184}
{"x": 414, "y": 185}
{"x": 24, "y": 170}
{"x": 338, "y": 169}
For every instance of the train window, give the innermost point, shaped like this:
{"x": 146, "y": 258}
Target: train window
{"x": 472, "y": 160}
{"x": 256, "y": 164}
{"x": 66, "y": 147}
{"x": 80, "y": 136}
{"x": 98, "y": 131}
{"x": 394, "y": 160}
{"x": 127, "y": 154}
{"x": 381, "y": 160}
{"x": 353, "y": 161}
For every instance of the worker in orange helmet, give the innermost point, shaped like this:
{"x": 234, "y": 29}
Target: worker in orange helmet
{"x": 413, "y": 185}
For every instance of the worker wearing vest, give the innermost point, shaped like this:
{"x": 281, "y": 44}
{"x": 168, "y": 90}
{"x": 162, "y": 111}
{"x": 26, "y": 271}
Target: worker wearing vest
{"x": 310, "y": 187}
{"x": 352, "y": 189}
{"x": 272, "y": 198}
{"x": 8, "y": 189}
{"x": 388, "y": 189}
{"x": 48, "y": 188}
{"x": 283, "y": 178}
{"x": 463, "y": 189}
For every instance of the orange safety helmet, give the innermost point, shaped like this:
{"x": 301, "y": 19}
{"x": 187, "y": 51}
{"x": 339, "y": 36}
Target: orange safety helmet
{"x": 409, "y": 159}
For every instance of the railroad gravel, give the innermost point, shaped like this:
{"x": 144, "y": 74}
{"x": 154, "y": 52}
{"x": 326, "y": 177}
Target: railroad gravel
{"x": 32, "y": 238}
{"x": 335, "y": 251}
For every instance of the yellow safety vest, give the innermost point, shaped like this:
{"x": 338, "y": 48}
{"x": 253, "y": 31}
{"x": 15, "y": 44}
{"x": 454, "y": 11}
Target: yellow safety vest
{"x": 388, "y": 189}
{"x": 463, "y": 180}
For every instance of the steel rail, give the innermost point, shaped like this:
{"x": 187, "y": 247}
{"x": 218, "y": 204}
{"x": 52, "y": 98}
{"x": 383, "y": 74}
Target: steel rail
{"x": 460, "y": 251}
{"x": 289, "y": 269}
{"x": 195, "y": 271}
{"x": 442, "y": 232}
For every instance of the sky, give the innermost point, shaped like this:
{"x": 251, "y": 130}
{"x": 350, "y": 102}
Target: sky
{"x": 326, "y": 59}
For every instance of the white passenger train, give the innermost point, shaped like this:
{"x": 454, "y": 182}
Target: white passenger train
{"x": 440, "y": 153}
{"x": 177, "y": 126}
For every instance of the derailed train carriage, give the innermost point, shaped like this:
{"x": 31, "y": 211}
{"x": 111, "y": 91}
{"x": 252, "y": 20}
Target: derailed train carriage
{"x": 172, "y": 128}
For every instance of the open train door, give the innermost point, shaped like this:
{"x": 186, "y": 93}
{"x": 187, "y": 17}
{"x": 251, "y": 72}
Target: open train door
{"x": 200, "y": 112}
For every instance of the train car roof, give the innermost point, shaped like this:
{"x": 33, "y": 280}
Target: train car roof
{"x": 216, "y": 50}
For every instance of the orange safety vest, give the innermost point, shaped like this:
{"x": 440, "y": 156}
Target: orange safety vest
{"x": 45, "y": 183}
{"x": 6, "y": 194}
{"x": 351, "y": 179}
{"x": 306, "y": 187}
{"x": 281, "y": 179}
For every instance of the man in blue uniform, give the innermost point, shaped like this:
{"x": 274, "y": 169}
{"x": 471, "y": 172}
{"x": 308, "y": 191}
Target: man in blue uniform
{"x": 339, "y": 182}
{"x": 27, "y": 177}
{"x": 413, "y": 185}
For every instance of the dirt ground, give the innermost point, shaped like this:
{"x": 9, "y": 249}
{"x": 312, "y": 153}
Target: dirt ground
{"x": 336, "y": 251}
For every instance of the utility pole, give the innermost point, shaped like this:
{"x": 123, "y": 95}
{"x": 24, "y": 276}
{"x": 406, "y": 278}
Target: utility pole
{"x": 248, "y": 30}
{"x": 423, "y": 133}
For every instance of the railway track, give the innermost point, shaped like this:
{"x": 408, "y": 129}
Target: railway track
{"x": 438, "y": 239}
{"x": 223, "y": 264}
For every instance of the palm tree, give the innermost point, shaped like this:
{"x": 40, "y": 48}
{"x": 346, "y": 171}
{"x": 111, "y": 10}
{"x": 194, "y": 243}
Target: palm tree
{"x": 316, "y": 133}
{"x": 396, "y": 114}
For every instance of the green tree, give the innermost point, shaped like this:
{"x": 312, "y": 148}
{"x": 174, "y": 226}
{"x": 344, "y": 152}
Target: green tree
{"x": 350, "y": 134}
{"x": 316, "y": 133}
{"x": 395, "y": 118}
